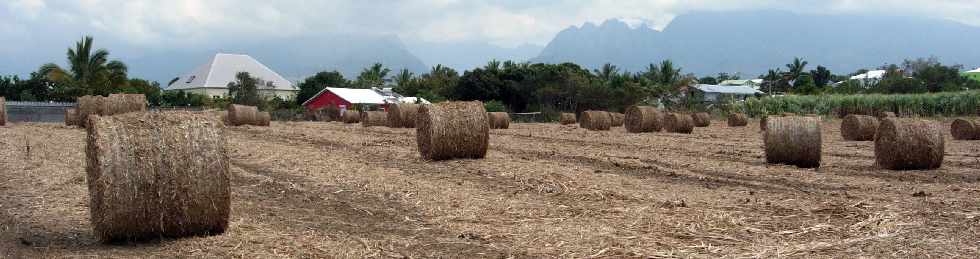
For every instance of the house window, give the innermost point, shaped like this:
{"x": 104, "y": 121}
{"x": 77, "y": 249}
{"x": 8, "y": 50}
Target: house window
{"x": 190, "y": 79}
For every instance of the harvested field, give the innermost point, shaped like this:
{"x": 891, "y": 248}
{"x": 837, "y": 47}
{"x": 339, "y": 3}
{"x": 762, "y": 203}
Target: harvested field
{"x": 313, "y": 190}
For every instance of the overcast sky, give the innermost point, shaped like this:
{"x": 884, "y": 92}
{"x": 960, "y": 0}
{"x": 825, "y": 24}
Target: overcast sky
{"x": 180, "y": 23}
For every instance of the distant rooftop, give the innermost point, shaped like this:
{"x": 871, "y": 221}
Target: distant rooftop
{"x": 221, "y": 70}
{"x": 727, "y": 89}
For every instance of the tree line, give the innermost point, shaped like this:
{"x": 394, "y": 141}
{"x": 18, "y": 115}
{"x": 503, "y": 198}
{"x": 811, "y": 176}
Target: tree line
{"x": 516, "y": 87}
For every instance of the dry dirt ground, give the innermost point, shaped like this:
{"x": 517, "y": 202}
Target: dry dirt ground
{"x": 313, "y": 190}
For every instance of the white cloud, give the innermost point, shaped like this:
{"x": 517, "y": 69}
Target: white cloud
{"x": 503, "y": 22}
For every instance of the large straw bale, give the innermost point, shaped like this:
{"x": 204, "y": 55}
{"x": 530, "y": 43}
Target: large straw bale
{"x": 567, "y": 118}
{"x": 90, "y": 105}
{"x": 351, "y": 117}
{"x": 859, "y": 127}
{"x": 737, "y": 120}
{"x": 702, "y": 119}
{"x": 679, "y": 123}
{"x": 374, "y": 118}
{"x": 616, "y": 119}
{"x": 909, "y": 144}
{"x": 156, "y": 175}
{"x": 242, "y": 115}
{"x": 793, "y": 140}
{"x": 963, "y": 129}
{"x": 498, "y": 120}
{"x": 451, "y": 130}
{"x": 595, "y": 120}
{"x": 402, "y": 115}
{"x": 263, "y": 119}
{"x": 640, "y": 119}
{"x": 124, "y": 103}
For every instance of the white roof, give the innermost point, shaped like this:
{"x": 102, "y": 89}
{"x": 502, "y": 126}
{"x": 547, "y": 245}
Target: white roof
{"x": 873, "y": 74}
{"x": 222, "y": 69}
{"x": 740, "y": 82}
{"x": 359, "y": 96}
{"x": 974, "y": 71}
{"x": 727, "y": 89}
{"x": 411, "y": 100}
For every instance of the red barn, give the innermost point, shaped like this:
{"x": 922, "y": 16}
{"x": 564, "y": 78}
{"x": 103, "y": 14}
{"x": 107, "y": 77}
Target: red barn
{"x": 343, "y": 97}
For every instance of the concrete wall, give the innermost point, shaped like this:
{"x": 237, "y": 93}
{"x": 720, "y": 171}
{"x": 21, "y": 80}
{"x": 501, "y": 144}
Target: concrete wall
{"x": 37, "y": 112}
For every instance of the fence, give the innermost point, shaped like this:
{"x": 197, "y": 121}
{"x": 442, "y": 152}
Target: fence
{"x": 53, "y": 112}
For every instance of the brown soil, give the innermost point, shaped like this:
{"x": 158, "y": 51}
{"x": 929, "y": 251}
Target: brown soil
{"x": 302, "y": 190}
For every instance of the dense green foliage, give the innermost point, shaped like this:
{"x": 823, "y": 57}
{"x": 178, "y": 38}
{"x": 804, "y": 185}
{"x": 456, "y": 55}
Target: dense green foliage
{"x": 926, "y": 104}
{"x": 921, "y": 86}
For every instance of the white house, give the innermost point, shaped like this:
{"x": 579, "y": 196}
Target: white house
{"x": 212, "y": 78}
{"x": 754, "y": 83}
{"x": 871, "y": 77}
{"x": 713, "y": 92}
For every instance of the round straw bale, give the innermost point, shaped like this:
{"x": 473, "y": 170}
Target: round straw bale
{"x": 595, "y": 120}
{"x": 374, "y": 118}
{"x": 641, "y": 119}
{"x": 3, "y": 111}
{"x": 737, "y": 120}
{"x": 793, "y": 140}
{"x": 859, "y": 127}
{"x": 71, "y": 117}
{"x": 679, "y": 123}
{"x": 909, "y": 144}
{"x": 702, "y": 119}
{"x": 567, "y": 118}
{"x": 157, "y": 174}
{"x": 90, "y": 105}
{"x": 402, "y": 115}
{"x": 350, "y": 116}
{"x": 616, "y": 119}
{"x": 263, "y": 119}
{"x": 450, "y": 130}
{"x": 498, "y": 120}
{"x": 242, "y": 115}
{"x": 885, "y": 115}
{"x": 965, "y": 130}
{"x": 124, "y": 103}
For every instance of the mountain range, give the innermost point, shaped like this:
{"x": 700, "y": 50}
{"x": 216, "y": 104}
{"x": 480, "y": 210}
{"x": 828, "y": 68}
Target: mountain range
{"x": 705, "y": 43}
{"x": 751, "y": 42}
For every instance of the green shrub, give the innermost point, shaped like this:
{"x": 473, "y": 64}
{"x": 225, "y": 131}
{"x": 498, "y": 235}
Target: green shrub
{"x": 494, "y": 106}
{"x": 930, "y": 104}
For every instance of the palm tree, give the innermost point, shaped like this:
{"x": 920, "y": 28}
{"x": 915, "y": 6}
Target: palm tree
{"x": 796, "y": 68}
{"x": 373, "y": 76}
{"x": 669, "y": 75}
{"x": 652, "y": 73}
{"x": 92, "y": 70}
{"x": 772, "y": 78}
{"x": 607, "y": 72}
{"x": 493, "y": 66}
{"x": 404, "y": 77}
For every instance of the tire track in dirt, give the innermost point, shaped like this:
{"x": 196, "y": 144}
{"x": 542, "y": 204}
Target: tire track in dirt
{"x": 733, "y": 156}
{"x": 663, "y": 171}
{"x": 436, "y": 171}
{"x": 335, "y": 210}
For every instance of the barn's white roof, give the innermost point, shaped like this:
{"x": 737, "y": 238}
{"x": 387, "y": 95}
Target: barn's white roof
{"x": 873, "y": 74}
{"x": 974, "y": 71}
{"x": 221, "y": 70}
{"x": 727, "y": 89}
{"x": 360, "y": 96}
